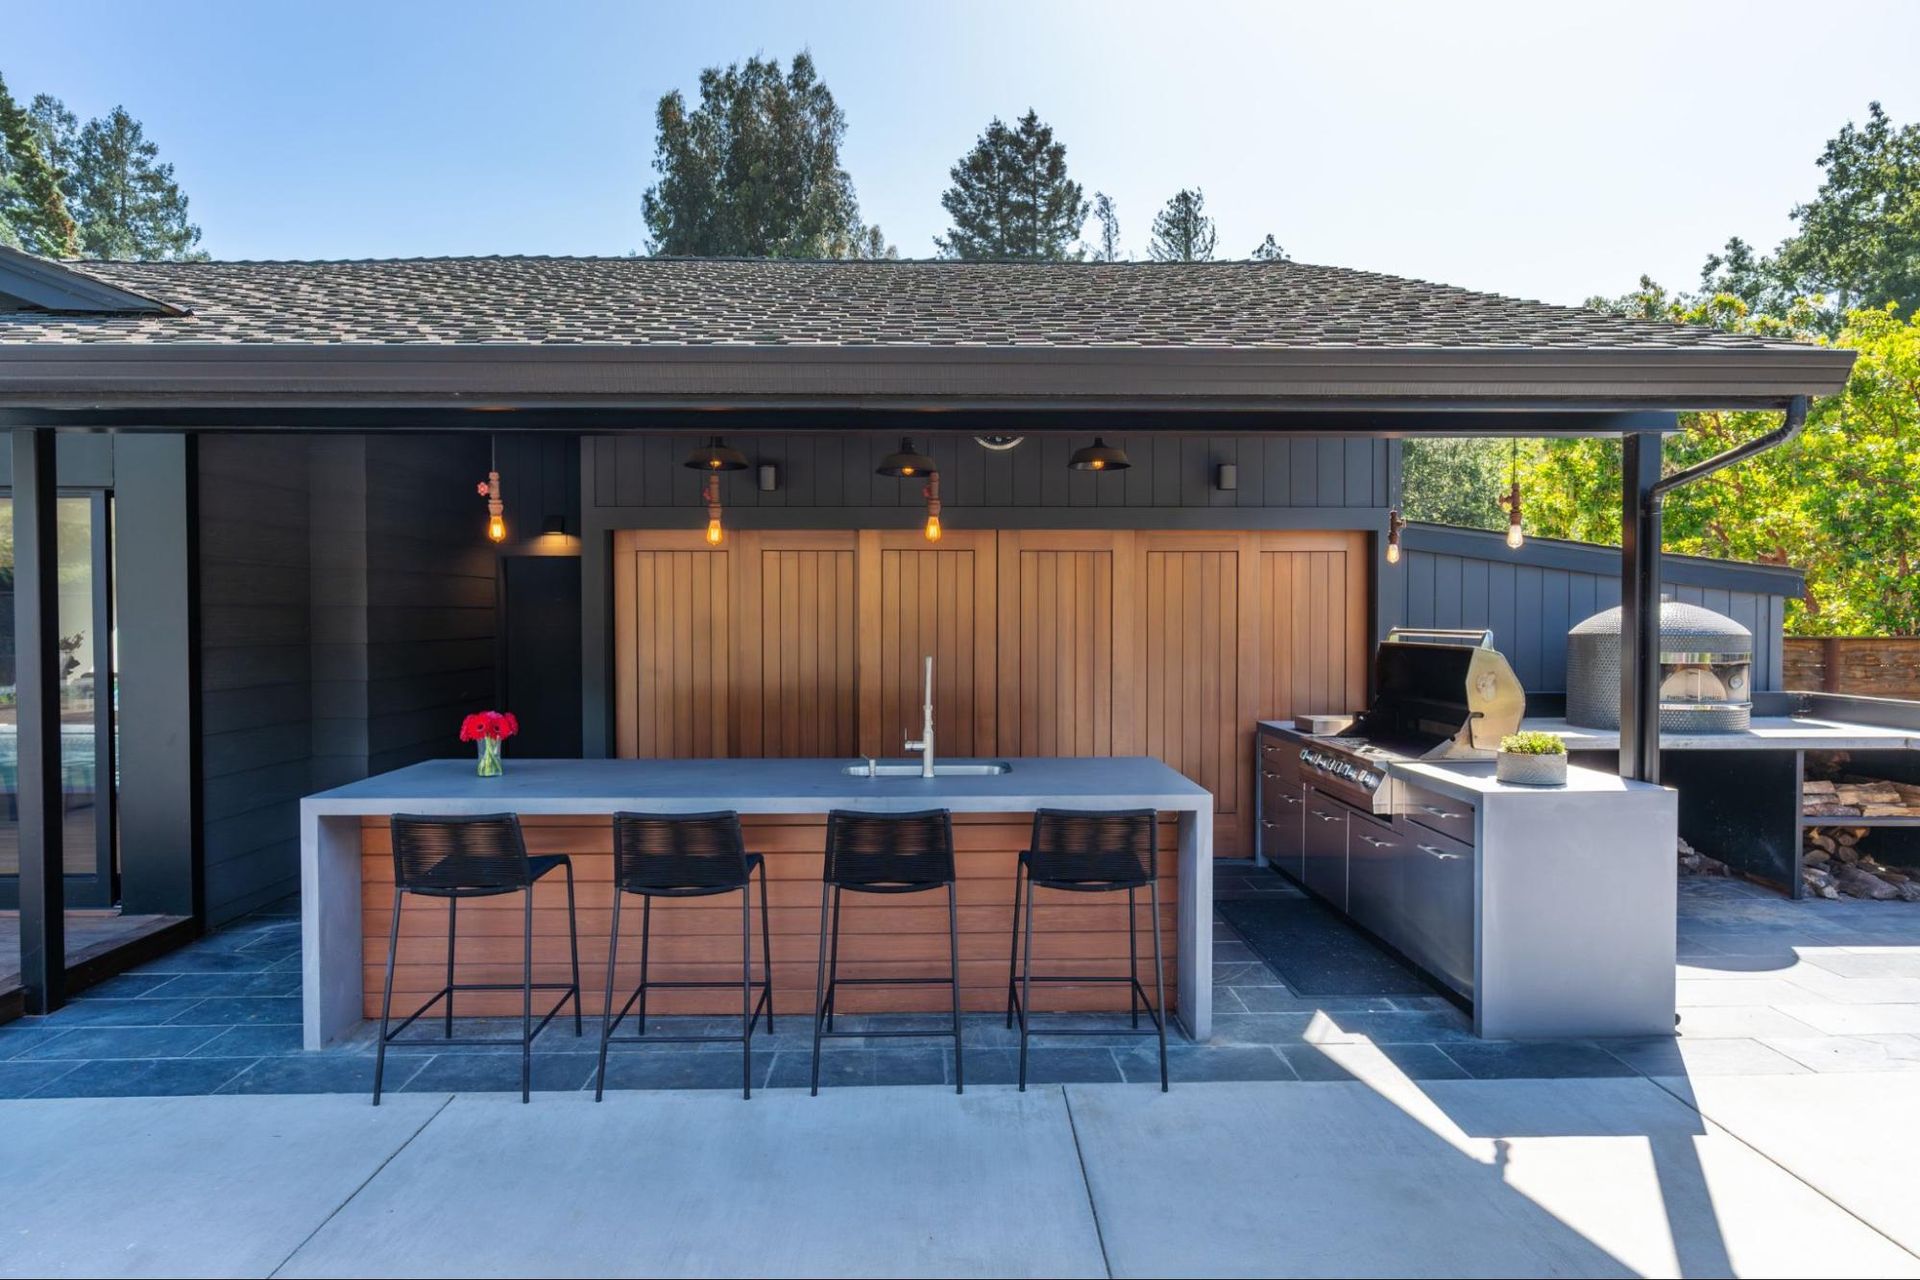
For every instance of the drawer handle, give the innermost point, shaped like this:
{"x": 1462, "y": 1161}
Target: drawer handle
{"x": 1269, "y": 775}
{"x": 1441, "y": 854}
{"x": 1378, "y": 844}
{"x": 1326, "y": 817}
{"x": 1441, "y": 813}
{"x": 1265, "y": 823}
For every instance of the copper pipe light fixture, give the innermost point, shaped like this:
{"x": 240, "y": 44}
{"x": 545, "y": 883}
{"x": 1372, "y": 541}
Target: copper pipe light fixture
{"x": 710, "y": 491}
{"x": 1395, "y": 523}
{"x": 931, "y": 492}
{"x": 490, "y": 490}
{"x": 1099, "y": 456}
{"x": 1516, "y": 538}
{"x": 904, "y": 464}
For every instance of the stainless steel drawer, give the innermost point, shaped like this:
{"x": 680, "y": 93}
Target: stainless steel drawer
{"x": 1439, "y": 907}
{"x": 1278, "y": 759}
{"x": 1325, "y": 869}
{"x": 1437, "y": 812}
{"x": 1376, "y": 875}
{"x": 1282, "y": 835}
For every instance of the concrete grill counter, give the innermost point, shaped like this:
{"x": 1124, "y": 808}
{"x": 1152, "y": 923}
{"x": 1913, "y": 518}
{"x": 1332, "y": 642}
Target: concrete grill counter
{"x": 1550, "y": 909}
{"x": 346, "y": 878}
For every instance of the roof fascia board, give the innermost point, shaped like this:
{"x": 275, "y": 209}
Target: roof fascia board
{"x": 53, "y": 286}
{"x": 930, "y": 377}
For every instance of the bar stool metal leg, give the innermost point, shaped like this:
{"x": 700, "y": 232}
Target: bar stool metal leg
{"x": 453, "y": 919}
{"x": 573, "y": 942}
{"x": 820, "y": 988}
{"x": 766, "y": 945}
{"x": 833, "y": 959}
{"x": 1026, "y": 988}
{"x": 1159, "y": 981}
{"x": 606, "y": 1018}
{"x": 1133, "y": 956}
{"x": 1013, "y": 959}
{"x": 386, "y": 999}
{"x": 526, "y": 1006}
{"x": 953, "y": 945}
{"x": 746, "y": 991}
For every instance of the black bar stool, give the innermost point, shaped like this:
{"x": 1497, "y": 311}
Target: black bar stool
{"x": 481, "y": 856}
{"x": 884, "y": 853}
{"x": 686, "y": 855}
{"x": 1098, "y": 851}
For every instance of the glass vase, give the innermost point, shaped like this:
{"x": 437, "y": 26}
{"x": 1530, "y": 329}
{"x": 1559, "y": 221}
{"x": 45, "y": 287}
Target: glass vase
{"x": 490, "y": 758}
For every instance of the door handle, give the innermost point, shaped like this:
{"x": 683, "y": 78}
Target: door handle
{"x": 1441, "y": 854}
{"x": 1441, "y": 813}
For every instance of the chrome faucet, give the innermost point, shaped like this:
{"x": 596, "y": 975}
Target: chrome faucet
{"x": 925, "y": 745}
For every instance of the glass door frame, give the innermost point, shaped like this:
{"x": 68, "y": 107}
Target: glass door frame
{"x": 99, "y": 888}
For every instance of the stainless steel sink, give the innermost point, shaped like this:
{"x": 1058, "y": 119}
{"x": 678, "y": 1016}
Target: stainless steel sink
{"x": 888, "y": 769}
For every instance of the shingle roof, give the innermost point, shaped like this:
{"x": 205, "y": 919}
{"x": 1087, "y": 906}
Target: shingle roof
{"x": 643, "y": 302}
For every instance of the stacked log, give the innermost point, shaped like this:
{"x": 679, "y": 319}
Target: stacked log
{"x": 1855, "y": 797}
{"x": 1833, "y": 865}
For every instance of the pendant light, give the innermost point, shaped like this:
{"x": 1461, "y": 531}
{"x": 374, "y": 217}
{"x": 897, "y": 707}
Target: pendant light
{"x": 905, "y": 463}
{"x": 490, "y": 490}
{"x": 1099, "y": 456}
{"x": 931, "y": 492}
{"x": 1516, "y": 538}
{"x": 711, "y": 492}
{"x": 714, "y": 455}
{"x": 1395, "y": 523}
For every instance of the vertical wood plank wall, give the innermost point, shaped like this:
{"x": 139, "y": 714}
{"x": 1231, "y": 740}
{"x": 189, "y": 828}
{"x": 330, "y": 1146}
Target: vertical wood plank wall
{"x": 1046, "y": 642}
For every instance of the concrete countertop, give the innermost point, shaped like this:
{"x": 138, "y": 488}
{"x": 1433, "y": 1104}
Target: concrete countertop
{"x": 1768, "y": 733}
{"x": 758, "y": 786}
{"x": 1473, "y": 780}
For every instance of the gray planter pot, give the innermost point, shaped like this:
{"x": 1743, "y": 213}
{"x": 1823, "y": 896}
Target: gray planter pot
{"x": 1530, "y": 770}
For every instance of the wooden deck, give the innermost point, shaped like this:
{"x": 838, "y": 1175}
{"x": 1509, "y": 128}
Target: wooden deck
{"x": 90, "y": 935}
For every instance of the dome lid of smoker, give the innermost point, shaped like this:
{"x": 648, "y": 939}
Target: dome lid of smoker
{"x": 1683, "y": 628}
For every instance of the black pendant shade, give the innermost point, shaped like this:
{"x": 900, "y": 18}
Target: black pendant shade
{"x": 716, "y": 456}
{"x": 906, "y": 463}
{"x": 1099, "y": 456}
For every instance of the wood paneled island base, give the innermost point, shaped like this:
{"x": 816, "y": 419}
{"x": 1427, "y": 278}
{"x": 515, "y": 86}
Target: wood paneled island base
{"x": 565, "y": 806}
{"x": 698, "y": 939}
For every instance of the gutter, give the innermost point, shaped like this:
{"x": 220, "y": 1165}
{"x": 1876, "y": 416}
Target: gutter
{"x": 1790, "y": 427}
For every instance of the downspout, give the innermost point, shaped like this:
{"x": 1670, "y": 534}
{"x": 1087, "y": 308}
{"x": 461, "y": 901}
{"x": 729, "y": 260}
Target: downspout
{"x": 1641, "y": 538}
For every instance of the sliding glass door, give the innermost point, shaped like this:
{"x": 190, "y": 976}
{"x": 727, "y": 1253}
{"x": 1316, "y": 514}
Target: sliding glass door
{"x": 87, "y": 670}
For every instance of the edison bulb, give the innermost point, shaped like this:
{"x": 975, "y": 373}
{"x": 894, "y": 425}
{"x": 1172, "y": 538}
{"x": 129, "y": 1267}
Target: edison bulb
{"x": 714, "y": 532}
{"x": 933, "y": 528}
{"x": 1393, "y": 553}
{"x": 1515, "y": 538}
{"x": 497, "y": 528}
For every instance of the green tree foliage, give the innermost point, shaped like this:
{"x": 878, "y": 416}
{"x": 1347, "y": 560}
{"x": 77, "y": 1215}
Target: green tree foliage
{"x": 119, "y": 192}
{"x": 1268, "y": 250}
{"x": 754, "y": 171}
{"x": 1182, "y": 231}
{"x": 1108, "y": 248}
{"x": 1011, "y": 198}
{"x": 33, "y": 208}
{"x": 1456, "y": 481}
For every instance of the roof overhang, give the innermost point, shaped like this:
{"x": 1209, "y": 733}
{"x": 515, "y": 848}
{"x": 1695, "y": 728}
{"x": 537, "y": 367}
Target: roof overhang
{"x": 85, "y": 378}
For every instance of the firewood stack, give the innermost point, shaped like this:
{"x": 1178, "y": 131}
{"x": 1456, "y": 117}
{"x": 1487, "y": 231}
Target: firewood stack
{"x": 1835, "y": 866}
{"x": 1855, "y": 797}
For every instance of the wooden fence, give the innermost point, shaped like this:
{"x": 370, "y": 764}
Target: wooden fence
{"x": 1873, "y": 666}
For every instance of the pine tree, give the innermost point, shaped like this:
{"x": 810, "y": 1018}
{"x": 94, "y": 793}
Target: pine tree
{"x": 1268, "y": 250}
{"x": 1182, "y": 232}
{"x": 124, "y": 198}
{"x": 33, "y": 209}
{"x": 1011, "y": 199}
{"x": 1109, "y": 220}
{"x": 754, "y": 171}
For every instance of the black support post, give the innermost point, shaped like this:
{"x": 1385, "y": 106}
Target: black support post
{"x": 1640, "y": 607}
{"x": 36, "y": 623}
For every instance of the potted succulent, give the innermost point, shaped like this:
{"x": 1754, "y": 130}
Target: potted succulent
{"x": 1532, "y": 760}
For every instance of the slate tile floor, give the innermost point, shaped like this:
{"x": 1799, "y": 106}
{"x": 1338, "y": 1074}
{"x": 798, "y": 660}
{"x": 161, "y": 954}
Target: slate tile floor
{"x": 1768, "y": 986}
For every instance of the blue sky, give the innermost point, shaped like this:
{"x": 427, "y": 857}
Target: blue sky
{"x": 1541, "y": 150}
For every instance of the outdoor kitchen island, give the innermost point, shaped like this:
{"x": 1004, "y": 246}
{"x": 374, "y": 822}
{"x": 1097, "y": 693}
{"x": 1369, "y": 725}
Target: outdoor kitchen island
{"x": 347, "y": 874}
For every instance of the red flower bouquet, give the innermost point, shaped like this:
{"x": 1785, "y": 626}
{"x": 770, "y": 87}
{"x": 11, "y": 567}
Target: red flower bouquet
{"x": 489, "y": 728}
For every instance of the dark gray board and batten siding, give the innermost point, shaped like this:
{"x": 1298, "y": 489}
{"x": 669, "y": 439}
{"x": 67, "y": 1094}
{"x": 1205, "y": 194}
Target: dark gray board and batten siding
{"x": 1532, "y": 597}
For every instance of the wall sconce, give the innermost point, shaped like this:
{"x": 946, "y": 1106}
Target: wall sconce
{"x": 1226, "y": 477}
{"x": 931, "y": 492}
{"x": 1395, "y": 523}
{"x": 714, "y": 455}
{"x": 769, "y": 477}
{"x": 553, "y": 527}
{"x": 1099, "y": 456}
{"x": 496, "y": 509}
{"x": 711, "y": 492}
